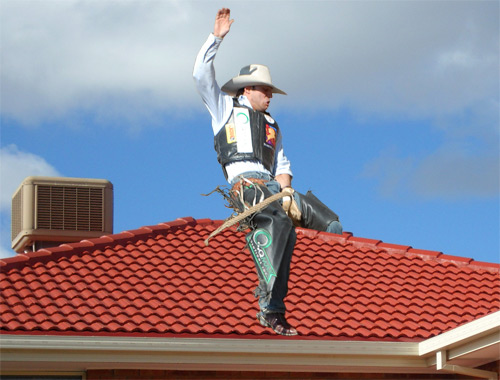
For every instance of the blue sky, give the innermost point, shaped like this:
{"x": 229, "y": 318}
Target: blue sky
{"x": 391, "y": 118}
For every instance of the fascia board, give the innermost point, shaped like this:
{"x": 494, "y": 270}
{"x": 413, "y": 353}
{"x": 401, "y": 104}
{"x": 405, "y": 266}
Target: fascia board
{"x": 208, "y": 353}
{"x": 209, "y": 345}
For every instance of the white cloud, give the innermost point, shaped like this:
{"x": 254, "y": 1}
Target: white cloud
{"x": 413, "y": 58}
{"x": 5, "y": 238}
{"x": 15, "y": 166}
{"x": 59, "y": 56}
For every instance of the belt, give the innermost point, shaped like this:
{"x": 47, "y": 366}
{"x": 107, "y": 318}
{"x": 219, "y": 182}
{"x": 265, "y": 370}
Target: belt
{"x": 250, "y": 181}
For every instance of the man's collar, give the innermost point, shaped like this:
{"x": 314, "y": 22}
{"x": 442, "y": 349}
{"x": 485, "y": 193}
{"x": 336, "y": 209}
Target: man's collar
{"x": 243, "y": 100}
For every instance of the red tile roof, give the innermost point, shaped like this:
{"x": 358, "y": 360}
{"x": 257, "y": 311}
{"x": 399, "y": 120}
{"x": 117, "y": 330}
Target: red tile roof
{"x": 162, "y": 281}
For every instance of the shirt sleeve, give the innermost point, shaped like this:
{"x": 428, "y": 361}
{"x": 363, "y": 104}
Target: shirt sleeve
{"x": 282, "y": 164}
{"x": 218, "y": 103}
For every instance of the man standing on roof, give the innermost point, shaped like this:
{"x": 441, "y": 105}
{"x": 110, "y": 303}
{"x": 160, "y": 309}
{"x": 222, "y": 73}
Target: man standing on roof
{"x": 249, "y": 147}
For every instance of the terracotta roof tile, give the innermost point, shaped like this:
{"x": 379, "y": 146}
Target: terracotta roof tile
{"x": 162, "y": 281}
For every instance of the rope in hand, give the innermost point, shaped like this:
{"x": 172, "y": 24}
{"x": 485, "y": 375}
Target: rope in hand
{"x": 259, "y": 206}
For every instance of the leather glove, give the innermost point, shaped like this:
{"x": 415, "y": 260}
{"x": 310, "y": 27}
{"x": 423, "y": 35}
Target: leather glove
{"x": 290, "y": 206}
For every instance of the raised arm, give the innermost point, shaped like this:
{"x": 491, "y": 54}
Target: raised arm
{"x": 218, "y": 104}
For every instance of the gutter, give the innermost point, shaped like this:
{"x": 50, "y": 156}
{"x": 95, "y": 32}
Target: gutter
{"x": 78, "y": 353}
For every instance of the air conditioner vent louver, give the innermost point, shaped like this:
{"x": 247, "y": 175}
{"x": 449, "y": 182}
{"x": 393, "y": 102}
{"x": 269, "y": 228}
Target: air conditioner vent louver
{"x": 70, "y": 208}
{"x": 47, "y": 210}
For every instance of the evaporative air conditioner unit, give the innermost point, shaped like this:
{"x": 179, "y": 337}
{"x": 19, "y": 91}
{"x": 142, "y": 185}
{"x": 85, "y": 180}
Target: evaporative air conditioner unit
{"x": 48, "y": 211}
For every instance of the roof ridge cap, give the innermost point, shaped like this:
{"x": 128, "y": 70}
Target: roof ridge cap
{"x": 405, "y": 250}
{"x": 53, "y": 253}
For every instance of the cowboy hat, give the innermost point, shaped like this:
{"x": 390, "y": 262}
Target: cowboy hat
{"x": 251, "y": 75}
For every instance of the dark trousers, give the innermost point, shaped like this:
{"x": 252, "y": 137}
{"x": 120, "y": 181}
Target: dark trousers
{"x": 272, "y": 239}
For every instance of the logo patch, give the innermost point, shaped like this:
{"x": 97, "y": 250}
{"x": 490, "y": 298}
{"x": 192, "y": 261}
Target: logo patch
{"x": 230, "y": 133}
{"x": 243, "y": 131}
{"x": 269, "y": 119}
{"x": 242, "y": 118}
{"x": 258, "y": 242}
{"x": 270, "y": 136}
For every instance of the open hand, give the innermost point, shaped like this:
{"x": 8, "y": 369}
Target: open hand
{"x": 222, "y": 22}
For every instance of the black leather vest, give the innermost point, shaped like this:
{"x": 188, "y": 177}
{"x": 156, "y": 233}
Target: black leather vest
{"x": 248, "y": 135}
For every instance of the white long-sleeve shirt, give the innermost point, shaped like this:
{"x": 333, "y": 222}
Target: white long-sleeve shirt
{"x": 220, "y": 106}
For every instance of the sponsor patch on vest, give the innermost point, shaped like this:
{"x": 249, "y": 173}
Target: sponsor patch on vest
{"x": 243, "y": 131}
{"x": 269, "y": 119}
{"x": 230, "y": 133}
{"x": 270, "y": 135}
{"x": 258, "y": 242}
